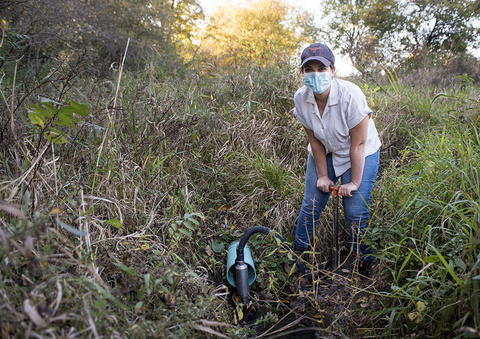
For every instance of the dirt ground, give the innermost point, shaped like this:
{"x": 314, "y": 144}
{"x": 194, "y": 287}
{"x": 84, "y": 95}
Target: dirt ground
{"x": 336, "y": 304}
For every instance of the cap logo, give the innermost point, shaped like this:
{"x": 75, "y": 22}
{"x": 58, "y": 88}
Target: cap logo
{"x": 314, "y": 49}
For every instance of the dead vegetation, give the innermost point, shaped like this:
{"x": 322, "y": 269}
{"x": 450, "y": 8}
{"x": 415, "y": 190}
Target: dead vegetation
{"x": 122, "y": 230}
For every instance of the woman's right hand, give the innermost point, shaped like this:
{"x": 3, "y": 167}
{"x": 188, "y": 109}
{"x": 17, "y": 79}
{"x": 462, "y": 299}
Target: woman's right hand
{"x": 324, "y": 183}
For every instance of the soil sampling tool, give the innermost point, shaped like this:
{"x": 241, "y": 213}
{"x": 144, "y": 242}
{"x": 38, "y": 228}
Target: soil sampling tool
{"x": 336, "y": 255}
{"x": 244, "y": 269}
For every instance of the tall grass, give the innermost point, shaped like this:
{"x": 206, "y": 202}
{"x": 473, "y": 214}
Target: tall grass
{"x": 427, "y": 223}
{"x": 122, "y": 231}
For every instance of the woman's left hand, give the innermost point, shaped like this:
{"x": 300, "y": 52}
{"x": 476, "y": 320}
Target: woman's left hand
{"x": 347, "y": 189}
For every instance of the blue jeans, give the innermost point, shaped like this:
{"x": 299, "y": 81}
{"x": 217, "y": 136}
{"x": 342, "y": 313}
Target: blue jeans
{"x": 355, "y": 208}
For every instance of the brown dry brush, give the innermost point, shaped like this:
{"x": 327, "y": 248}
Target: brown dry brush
{"x": 89, "y": 246}
{"x": 122, "y": 231}
{"x": 85, "y": 239}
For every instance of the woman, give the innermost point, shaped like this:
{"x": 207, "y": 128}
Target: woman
{"x": 343, "y": 143}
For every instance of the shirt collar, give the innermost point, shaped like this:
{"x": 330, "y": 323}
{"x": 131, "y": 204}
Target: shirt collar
{"x": 333, "y": 96}
{"x": 310, "y": 96}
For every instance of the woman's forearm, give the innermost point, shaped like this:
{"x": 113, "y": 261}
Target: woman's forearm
{"x": 357, "y": 160}
{"x": 358, "y": 138}
{"x": 319, "y": 154}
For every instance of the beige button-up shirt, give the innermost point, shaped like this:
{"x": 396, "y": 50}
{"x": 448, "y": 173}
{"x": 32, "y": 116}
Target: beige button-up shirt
{"x": 346, "y": 107}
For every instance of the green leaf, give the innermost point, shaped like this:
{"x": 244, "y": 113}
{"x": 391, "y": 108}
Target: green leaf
{"x": 186, "y": 232}
{"x": 447, "y": 266}
{"x": 189, "y": 225}
{"x": 432, "y": 259}
{"x": 55, "y": 136}
{"x": 36, "y": 119}
{"x": 218, "y": 246}
{"x": 146, "y": 278}
{"x": 138, "y": 306}
{"x": 124, "y": 268}
{"x": 64, "y": 121}
{"x": 70, "y": 112}
{"x": 292, "y": 270}
{"x": 460, "y": 263}
{"x": 189, "y": 215}
{"x": 80, "y": 109}
{"x": 50, "y": 107}
{"x": 272, "y": 252}
{"x": 195, "y": 221}
{"x": 42, "y": 111}
{"x": 115, "y": 223}
{"x": 87, "y": 212}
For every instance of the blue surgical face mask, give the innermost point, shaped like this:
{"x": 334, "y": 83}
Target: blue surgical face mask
{"x": 317, "y": 82}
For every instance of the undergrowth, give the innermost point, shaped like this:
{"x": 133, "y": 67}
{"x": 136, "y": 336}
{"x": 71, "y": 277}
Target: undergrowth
{"x": 116, "y": 214}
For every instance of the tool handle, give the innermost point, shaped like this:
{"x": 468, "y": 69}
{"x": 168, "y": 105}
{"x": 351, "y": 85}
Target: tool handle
{"x": 334, "y": 190}
{"x": 335, "y": 227}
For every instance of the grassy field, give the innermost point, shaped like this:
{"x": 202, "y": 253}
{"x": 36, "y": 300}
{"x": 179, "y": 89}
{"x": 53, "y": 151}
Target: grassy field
{"x": 119, "y": 199}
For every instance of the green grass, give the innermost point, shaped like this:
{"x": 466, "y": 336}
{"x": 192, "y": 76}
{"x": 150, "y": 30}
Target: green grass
{"x": 428, "y": 219}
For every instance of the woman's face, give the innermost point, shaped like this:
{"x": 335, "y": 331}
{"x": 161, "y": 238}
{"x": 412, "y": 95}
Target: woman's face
{"x": 316, "y": 66}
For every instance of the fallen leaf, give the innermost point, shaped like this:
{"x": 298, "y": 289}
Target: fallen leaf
{"x": 55, "y": 211}
{"x": 421, "y": 306}
{"x": 412, "y": 316}
{"x": 415, "y": 316}
{"x": 209, "y": 250}
{"x": 218, "y": 246}
{"x": 361, "y": 300}
{"x": 239, "y": 313}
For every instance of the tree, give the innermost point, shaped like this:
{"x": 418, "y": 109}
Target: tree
{"x": 259, "y": 33}
{"x": 375, "y": 33}
{"x": 361, "y": 29}
{"x": 68, "y": 28}
{"x": 440, "y": 26}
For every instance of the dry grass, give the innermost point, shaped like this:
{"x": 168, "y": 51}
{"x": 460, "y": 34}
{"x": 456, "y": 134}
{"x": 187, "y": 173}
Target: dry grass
{"x": 122, "y": 231}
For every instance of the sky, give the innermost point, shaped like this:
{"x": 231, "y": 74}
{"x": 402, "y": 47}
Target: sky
{"x": 342, "y": 64}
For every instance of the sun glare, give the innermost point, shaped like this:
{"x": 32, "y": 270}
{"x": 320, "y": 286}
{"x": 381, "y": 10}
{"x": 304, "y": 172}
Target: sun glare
{"x": 343, "y": 64}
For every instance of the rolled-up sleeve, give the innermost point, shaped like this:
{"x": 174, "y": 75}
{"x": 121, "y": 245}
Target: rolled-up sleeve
{"x": 357, "y": 108}
{"x": 299, "y": 111}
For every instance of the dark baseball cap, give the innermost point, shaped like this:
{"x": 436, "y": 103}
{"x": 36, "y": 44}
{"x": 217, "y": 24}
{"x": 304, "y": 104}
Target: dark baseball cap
{"x": 320, "y": 52}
